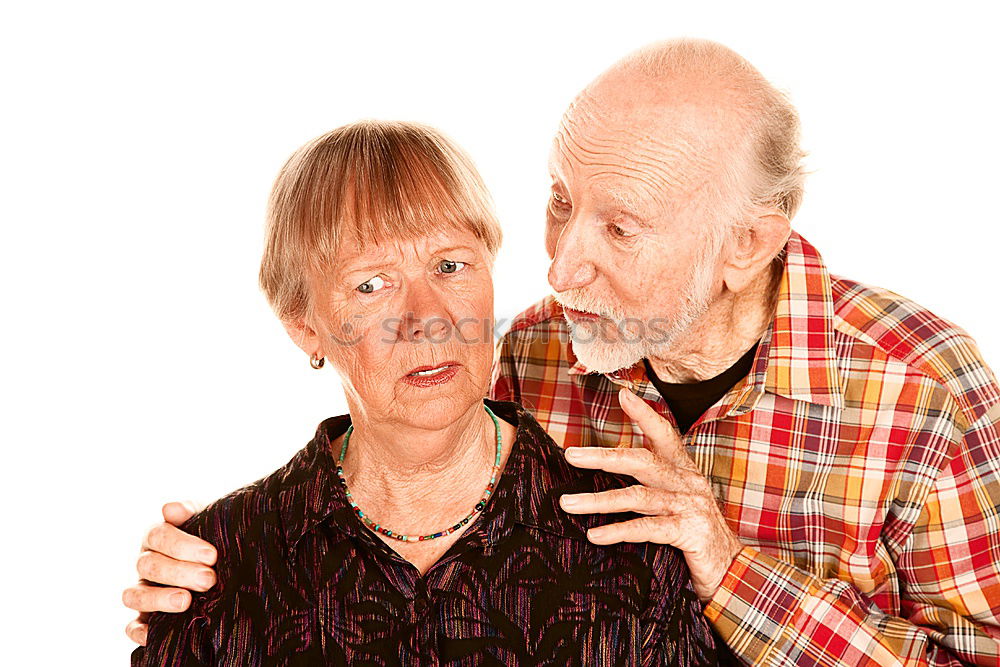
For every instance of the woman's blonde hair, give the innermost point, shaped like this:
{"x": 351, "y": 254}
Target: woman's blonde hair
{"x": 378, "y": 181}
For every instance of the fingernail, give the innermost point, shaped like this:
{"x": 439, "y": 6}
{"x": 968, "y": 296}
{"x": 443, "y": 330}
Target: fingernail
{"x": 569, "y": 501}
{"x": 206, "y": 555}
{"x": 574, "y": 452}
{"x": 178, "y": 600}
{"x": 595, "y": 533}
{"x": 627, "y": 395}
{"x": 206, "y": 579}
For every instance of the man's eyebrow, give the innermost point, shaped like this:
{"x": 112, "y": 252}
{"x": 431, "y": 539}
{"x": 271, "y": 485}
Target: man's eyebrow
{"x": 628, "y": 203}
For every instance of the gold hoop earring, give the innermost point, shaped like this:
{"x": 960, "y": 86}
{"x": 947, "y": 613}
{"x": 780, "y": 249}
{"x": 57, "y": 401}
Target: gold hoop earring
{"x": 317, "y": 363}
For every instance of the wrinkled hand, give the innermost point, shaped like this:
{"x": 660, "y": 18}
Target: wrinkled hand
{"x": 172, "y": 557}
{"x": 673, "y": 494}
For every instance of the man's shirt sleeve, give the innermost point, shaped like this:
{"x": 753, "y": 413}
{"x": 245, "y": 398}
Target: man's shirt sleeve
{"x": 771, "y": 612}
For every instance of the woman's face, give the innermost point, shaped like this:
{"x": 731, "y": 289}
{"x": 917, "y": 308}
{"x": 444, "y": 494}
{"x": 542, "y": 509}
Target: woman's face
{"x": 409, "y": 327}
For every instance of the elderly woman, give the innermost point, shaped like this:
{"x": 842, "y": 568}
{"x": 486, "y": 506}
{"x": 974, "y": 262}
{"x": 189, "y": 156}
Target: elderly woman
{"x": 423, "y": 527}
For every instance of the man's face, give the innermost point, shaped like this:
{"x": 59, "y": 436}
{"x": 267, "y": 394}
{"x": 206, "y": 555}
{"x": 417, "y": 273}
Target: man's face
{"x": 627, "y": 231}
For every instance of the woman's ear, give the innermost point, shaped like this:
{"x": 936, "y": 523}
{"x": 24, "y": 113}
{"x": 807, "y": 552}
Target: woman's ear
{"x": 304, "y": 336}
{"x": 751, "y": 250}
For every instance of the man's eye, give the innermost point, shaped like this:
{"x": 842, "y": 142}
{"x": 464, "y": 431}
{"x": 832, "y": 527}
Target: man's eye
{"x": 372, "y": 285}
{"x": 559, "y": 199}
{"x": 619, "y": 232}
{"x": 449, "y": 266}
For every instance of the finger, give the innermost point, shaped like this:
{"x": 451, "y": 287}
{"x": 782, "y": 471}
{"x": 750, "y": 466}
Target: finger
{"x": 162, "y": 569}
{"x": 639, "y": 463}
{"x": 137, "y": 631}
{"x": 177, "y": 513}
{"x": 638, "y": 498}
{"x": 146, "y": 597}
{"x": 660, "y": 436}
{"x": 175, "y": 543}
{"x": 658, "y": 529}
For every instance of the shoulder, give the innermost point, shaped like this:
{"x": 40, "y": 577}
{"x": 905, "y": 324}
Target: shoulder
{"x": 658, "y": 569}
{"x": 222, "y": 522}
{"x": 244, "y": 521}
{"x": 917, "y": 338}
{"x": 548, "y": 476}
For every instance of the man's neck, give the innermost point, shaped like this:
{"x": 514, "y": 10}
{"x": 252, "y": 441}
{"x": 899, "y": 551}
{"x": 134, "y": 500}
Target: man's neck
{"x": 715, "y": 341}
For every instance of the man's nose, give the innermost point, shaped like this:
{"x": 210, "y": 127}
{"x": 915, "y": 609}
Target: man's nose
{"x": 571, "y": 266}
{"x": 426, "y": 316}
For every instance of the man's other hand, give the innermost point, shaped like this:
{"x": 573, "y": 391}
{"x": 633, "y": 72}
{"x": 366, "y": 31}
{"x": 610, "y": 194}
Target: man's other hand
{"x": 171, "y": 557}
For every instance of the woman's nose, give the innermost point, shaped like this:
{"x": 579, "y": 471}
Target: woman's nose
{"x": 426, "y": 316}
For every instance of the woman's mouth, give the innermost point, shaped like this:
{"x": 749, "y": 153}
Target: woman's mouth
{"x": 427, "y": 376}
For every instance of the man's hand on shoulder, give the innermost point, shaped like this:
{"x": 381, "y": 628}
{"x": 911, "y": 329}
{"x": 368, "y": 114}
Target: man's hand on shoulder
{"x": 171, "y": 557}
{"x": 674, "y": 496}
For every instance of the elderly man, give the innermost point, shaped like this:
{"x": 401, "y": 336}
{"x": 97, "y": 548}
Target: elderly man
{"x": 826, "y": 454}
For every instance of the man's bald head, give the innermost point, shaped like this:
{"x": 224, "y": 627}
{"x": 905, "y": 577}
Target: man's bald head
{"x": 723, "y": 127}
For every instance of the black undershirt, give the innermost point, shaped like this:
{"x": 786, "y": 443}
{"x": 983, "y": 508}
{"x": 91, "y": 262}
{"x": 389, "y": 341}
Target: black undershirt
{"x": 688, "y": 402}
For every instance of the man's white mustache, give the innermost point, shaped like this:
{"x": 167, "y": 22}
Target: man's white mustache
{"x": 580, "y": 300}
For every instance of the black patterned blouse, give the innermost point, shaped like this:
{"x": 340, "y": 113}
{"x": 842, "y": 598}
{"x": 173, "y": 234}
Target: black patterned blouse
{"x": 301, "y": 581}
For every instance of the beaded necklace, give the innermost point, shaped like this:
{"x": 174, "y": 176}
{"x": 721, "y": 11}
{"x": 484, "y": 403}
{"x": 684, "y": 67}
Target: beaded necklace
{"x": 419, "y": 538}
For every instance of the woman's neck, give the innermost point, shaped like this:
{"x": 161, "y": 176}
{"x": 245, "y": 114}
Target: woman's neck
{"x": 419, "y": 481}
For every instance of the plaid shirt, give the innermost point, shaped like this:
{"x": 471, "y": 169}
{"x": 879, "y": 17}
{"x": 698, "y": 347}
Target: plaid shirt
{"x": 859, "y": 462}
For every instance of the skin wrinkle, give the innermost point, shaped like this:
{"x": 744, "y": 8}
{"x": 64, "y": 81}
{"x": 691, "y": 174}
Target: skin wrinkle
{"x": 639, "y": 165}
{"x": 719, "y": 100}
{"x": 681, "y": 143}
{"x": 638, "y": 178}
{"x": 637, "y": 161}
{"x": 634, "y": 177}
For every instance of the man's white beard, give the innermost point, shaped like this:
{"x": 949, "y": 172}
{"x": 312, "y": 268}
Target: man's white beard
{"x": 595, "y": 351}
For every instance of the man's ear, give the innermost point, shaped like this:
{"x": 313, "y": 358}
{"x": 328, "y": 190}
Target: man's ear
{"x": 304, "y": 336}
{"x": 751, "y": 250}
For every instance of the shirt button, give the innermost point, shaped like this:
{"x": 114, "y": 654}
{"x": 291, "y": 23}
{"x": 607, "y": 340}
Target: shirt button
{"x": 420, "y": 605}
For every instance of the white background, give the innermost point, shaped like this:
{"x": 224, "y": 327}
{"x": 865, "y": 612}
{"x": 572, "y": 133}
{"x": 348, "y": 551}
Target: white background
{"x": 140, "y": 363}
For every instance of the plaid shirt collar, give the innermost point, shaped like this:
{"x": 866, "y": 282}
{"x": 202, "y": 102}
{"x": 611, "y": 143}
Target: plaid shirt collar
{"x": 797, "y": 356}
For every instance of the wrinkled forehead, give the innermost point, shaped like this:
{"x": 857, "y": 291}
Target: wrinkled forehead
{"x": 672, "y": 144}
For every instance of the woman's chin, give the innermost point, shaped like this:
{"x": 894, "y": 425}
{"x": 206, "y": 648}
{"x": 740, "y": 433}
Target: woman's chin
{"x": 435, "y": 410}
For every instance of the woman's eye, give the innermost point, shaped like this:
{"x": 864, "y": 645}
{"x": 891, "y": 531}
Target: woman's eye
{"x": 372, "y": 285}
{"x": 449, "y": 266}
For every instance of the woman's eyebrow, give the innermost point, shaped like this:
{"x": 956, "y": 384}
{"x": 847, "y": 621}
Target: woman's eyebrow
{"x": 363, "y": 265}
{"x": 441, "y": 251}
